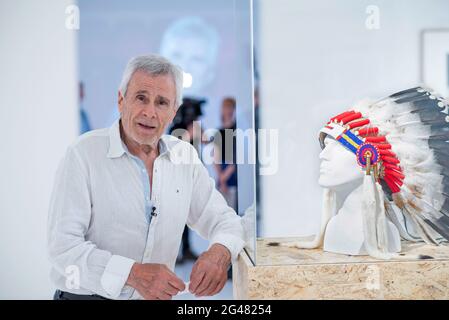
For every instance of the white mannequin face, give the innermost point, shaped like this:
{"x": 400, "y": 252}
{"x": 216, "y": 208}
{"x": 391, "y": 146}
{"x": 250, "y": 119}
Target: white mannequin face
{"x": 338, "y": 166}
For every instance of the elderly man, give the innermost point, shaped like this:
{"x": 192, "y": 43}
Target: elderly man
{"x": 123, "y": 195}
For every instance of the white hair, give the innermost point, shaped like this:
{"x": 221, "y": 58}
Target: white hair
{"x": 154, "y": 65}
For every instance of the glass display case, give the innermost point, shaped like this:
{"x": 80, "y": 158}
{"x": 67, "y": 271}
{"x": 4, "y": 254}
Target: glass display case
{"x": 312, "y": 62}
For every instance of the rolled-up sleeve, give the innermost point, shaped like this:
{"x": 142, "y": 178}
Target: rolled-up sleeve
{"x": 69, "y": 218}
{"x": 210, "y": 215}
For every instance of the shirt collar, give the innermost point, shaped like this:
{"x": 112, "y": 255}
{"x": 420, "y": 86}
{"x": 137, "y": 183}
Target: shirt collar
{"x": 117, "y": 147}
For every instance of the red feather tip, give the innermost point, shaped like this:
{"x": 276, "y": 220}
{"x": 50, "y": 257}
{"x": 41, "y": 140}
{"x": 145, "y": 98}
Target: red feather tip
{"x": 351, "y": 117}
{"x": 357, "y": 124}
{"x": 368, "y": 131}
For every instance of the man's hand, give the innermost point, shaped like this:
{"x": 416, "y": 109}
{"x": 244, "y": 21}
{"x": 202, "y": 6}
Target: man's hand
{"x": 154, "y": 281}
{"x": 210, "y": 271}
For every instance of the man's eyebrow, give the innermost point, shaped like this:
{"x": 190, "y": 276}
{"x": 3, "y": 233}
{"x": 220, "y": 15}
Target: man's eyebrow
{"x": 157, "y": 97}
{"x": 163, "y": 98}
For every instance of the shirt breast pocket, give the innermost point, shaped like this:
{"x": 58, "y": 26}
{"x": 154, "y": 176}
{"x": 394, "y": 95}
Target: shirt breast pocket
{"x": 177, "y": 195}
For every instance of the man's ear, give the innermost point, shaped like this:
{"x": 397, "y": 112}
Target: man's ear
{"x": 120, "y": 102}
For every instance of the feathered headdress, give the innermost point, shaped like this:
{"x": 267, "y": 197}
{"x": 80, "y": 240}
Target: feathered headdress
{"x": 402, "y": 143}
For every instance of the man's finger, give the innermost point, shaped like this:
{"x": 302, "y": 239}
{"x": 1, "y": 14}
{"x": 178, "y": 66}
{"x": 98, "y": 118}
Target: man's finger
{"x": 220, "y": 286}
{"x": 174, "y": 280}
{"x": 195, "y": 279}
{"x": 177, "y": 283}
{"x": 195, "y": 266}
{"x": 206, "y": 290}
{"x": 164, "y": 296}
{"x": 171, "y": 290}
{"x": 204, "y": 285}
{"x": 214, "y": 287}
{"x": 150, "y": 295}
{"x": 211, "y": 287}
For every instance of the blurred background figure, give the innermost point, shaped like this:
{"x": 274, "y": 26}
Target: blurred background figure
{"x": 188, "y": 112}
{"x": 225, "y": 153}
{"x": 182, "y": 127}
{"x": 84, "y": 119}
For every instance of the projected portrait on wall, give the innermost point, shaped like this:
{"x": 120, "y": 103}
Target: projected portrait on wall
{"x": 192, "y": 44}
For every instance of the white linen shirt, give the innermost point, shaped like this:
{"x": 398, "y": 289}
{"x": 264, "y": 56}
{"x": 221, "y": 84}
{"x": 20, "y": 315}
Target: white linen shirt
{"x": 100, "y": 219}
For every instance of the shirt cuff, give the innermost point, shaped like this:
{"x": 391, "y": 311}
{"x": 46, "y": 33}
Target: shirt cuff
{"x": 230, "y": 241}
{"x": 116, "y": 274}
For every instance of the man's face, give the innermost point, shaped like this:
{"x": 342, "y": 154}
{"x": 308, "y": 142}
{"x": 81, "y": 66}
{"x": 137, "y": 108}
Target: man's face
{"x": 148, "y": 107}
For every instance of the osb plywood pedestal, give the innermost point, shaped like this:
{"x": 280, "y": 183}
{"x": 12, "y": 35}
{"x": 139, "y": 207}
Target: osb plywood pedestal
{"x": 288, "y": 273}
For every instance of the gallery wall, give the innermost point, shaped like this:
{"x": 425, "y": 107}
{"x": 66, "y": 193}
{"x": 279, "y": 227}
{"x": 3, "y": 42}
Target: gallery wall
{"x": 39, "y": 119}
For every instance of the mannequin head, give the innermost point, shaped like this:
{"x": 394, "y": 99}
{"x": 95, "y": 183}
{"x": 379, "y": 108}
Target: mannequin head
{"x": 339, "y": 168}
{"x": 346, "y": 232}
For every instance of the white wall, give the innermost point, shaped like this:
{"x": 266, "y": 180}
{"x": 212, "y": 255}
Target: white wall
{"x": 316, "y": 58}
{"x": 39, "y": 118}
